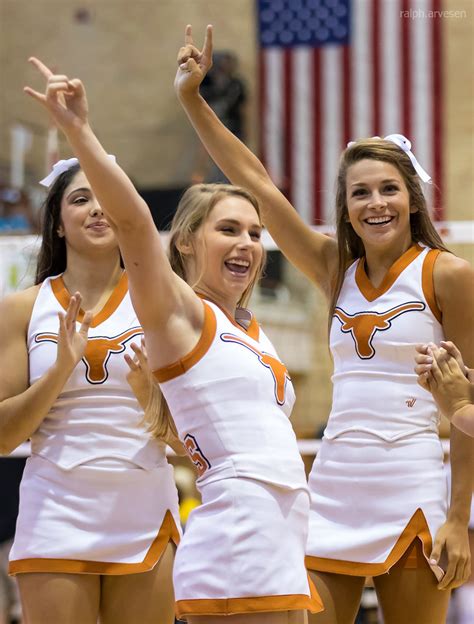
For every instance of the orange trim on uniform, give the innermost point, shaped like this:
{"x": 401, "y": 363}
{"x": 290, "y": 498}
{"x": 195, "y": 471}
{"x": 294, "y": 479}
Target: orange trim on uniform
{"x": 366, "y": 287}
{"x": 427, "y": 282}
{"x": 168, "y": 532}
{"x": 417, "y": 527}
{"x": 253, "y": 330}
{"x": 63, "y": 296}
{"x": 233, "y": 606}
{"x": 188, "y": 361}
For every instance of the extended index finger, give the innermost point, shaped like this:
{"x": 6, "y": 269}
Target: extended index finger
{"x": 41, "y": 67}
{"x": 207, "y": 47}
{"x": 188, "y": 35}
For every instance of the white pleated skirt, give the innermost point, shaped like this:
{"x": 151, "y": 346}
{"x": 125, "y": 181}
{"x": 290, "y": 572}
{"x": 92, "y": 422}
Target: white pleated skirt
{"x": 370, "y": 499}
{"x": 243, "y": 551}
{"x": 93, "y": 519}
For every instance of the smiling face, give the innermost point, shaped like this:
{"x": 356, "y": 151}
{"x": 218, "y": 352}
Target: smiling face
{"x": 228, "y": 250}
{"x": 378, "y": 204}
{"x": 83, "y": 224}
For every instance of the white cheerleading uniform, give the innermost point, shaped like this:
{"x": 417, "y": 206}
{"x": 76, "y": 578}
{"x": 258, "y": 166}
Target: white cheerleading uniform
{"x": 243, "y": 549}
{"x": 97, "y": 494}
{"x": 378, "y": 481}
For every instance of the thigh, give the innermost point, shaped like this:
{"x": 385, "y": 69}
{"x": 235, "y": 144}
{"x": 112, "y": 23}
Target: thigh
{"x": 281, "y": 617}
{"x": 65, "y": 598}
{"x": 341, "y": 596}
{"x": 410, "y": 594}
{"x": 145, "y": 598}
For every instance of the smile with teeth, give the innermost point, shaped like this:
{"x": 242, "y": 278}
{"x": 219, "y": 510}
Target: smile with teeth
{"x": 237, "y": 265}
{"x": 378, "y": 220}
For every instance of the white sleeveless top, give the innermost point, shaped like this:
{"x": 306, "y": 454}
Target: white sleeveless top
{"x": 231, "y": 399}
{"x": 373, "y": 336}
{"x": 96, "y": 416}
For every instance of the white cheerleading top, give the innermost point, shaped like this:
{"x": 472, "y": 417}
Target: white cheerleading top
{"x": 231, "y": 399}
{"x": 96, "y": 416}
{"x": 373, "y": 336}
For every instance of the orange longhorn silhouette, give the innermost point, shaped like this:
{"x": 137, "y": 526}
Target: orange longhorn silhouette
{"x": 277, "y": 368}
{"x": 364, "y": 325}
{"x": 98, "y": 351}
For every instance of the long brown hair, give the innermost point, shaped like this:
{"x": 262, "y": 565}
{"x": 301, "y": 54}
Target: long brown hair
{"x": 52, "y": 258}
{"x": 192, "y": 211}
{"x": 350, "y": 246}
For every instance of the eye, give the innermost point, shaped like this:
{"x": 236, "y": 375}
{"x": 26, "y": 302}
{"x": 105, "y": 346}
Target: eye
{"x": 359, "y": 192}
{"x": 390, "y": 188}
{"x": 228, "y": 229}
{"x": 256, "y": 235}
{"x": 82, "y": 199}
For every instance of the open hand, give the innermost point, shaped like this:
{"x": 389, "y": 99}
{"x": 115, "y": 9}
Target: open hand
{"x": 72, "y": 343}
{"x": 64, "y": 99}
{"x": 139, "y": 377}
{"x": 193, "y": 64}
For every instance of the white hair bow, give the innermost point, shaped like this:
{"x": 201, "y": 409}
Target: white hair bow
{"x": 60, "y": 167}
{"x": 405, "y": 145}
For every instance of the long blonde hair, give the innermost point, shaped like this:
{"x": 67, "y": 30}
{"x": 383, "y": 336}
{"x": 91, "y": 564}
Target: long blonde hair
{"x": 192, "y": 211}
{"x": 350, "y": 246}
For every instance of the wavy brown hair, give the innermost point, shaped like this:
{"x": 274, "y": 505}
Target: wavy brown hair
{"x": 192, "y": 211}
{"x": 350, "y": 246}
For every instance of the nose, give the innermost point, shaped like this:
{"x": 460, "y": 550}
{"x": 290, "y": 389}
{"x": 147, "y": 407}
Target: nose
{"x": 245, "y": 240}
{"x": 95, "y": 211}
{"x": 376, "y": 201}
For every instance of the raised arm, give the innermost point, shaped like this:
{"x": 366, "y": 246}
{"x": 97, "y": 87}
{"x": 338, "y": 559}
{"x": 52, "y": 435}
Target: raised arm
{"x": 23, "y": 407}
{"x": 313, "y": 253}
{"x": 453, "y": 284}
{"x": 168, "y": 310}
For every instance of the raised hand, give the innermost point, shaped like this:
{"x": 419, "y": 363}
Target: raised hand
{"x": 64, "y": 99}
{"x": 139, "y": 377}
{"x": 72, "y": 343}
{"x": 193, "y": 64}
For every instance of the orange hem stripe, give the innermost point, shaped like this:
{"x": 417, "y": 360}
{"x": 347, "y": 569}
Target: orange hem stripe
{"x": 233, "y": 606}
{"x": 63, "y": 296}
{"x": 416, "y": 527}
{"x": 371, "y": 292}
{"x": 168, "y": 532}
{"x": 188, "y": 361}
{"x": 427, "y": 283}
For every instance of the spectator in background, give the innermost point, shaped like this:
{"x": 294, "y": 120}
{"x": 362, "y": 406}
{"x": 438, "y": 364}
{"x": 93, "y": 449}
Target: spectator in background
{"x": 16, "y": 212}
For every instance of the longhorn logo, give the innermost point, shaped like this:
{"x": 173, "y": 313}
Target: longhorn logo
{"x": 98, "y": 351}
{"x": 364, "y": 325}
{"x": 277, "y": 368}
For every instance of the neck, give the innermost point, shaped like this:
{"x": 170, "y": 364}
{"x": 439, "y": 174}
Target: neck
{"x": 91, "y": 274}
{"x": 227, "y": 303}
{"x": 379, "y": 260}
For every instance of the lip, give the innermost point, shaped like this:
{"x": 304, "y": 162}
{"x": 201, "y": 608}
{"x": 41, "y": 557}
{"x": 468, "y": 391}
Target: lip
{"x": 98, "y": 225}
{"x": 380, "y": 224}
{"x": 235, "y": 260}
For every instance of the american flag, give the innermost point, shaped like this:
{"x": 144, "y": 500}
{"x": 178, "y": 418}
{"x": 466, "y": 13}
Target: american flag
{"x": 332, "y": 71}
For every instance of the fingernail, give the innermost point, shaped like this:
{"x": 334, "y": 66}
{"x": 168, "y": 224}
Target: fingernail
{"x": 433, "y": 562}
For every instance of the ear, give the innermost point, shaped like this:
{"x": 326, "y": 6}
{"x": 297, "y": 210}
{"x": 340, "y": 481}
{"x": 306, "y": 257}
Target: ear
{"x": 185, "y": 248}
{"x": 413, "y": 209}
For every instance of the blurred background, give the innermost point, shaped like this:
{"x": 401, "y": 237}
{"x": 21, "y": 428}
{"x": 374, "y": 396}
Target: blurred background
{"x": 295, "y": 79}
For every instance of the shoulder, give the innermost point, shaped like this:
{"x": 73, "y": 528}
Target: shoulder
{"x": 451, "y": 275}
{"x": 16, "y": 309}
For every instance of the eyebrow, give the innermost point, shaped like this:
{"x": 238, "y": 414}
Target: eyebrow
{"x": 79, "y": 190}
{"x": 382, "y": 182}
{"x": 236, "y": 222}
